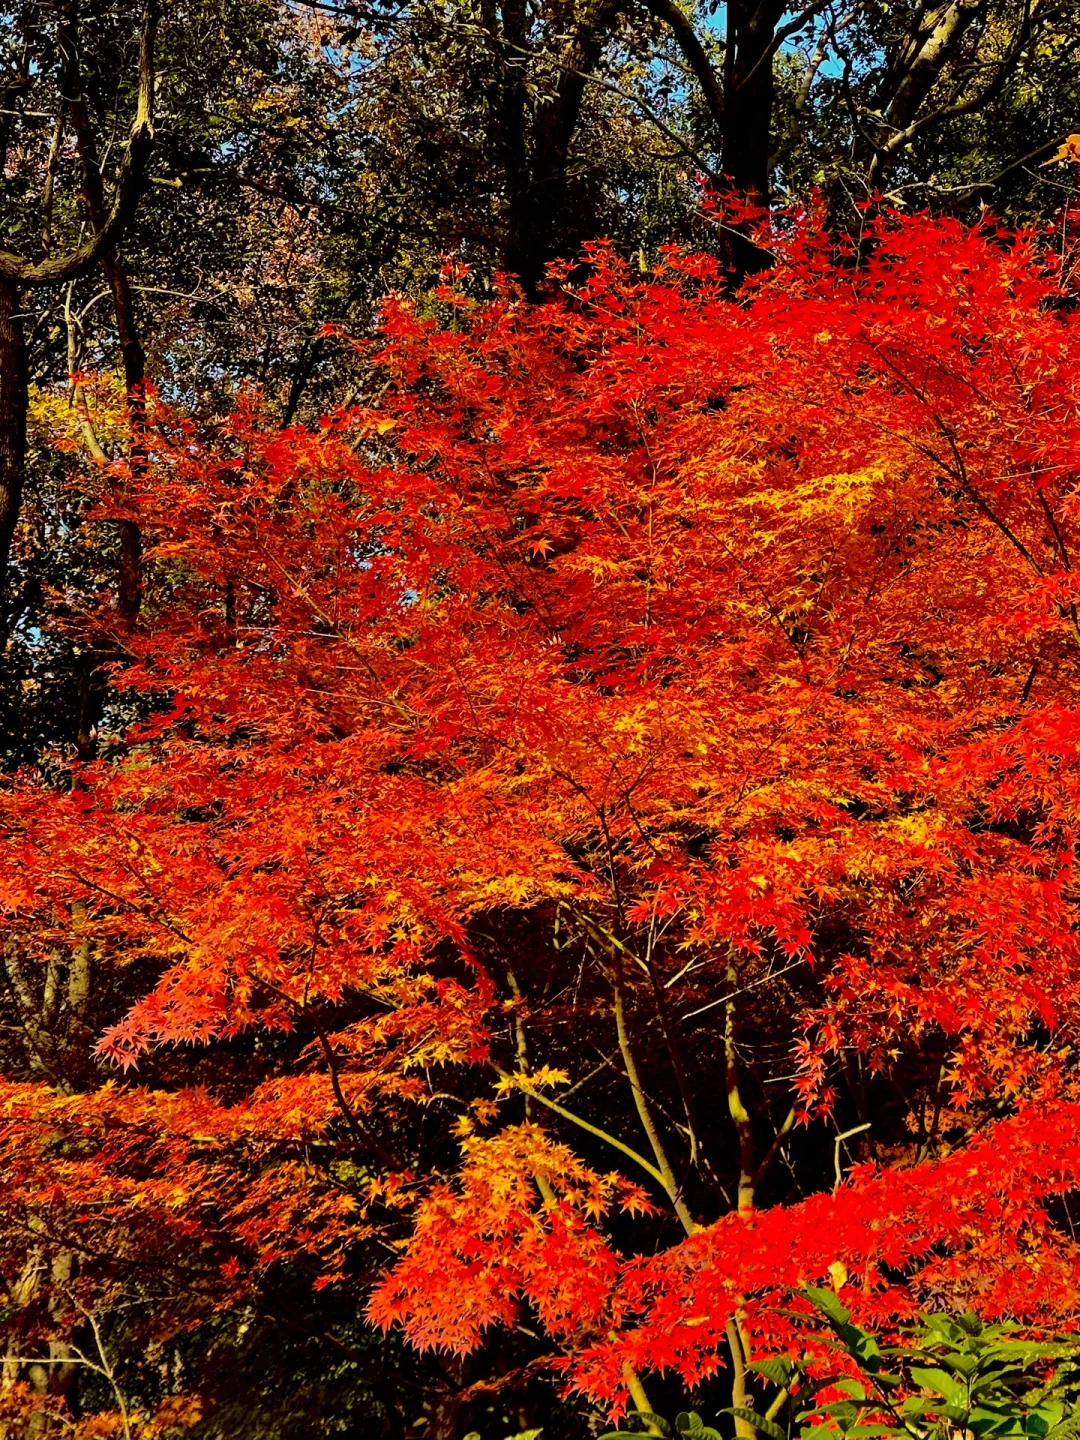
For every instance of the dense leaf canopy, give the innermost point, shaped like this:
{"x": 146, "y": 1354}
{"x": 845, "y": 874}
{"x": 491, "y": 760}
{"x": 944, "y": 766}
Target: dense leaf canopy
{"x": 636, "y": 748}
{"x": 538, "y": 723}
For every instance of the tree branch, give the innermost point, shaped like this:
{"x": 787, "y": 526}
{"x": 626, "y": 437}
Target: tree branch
{"x": 688, "y": 41}
{"x": 129, "y": 185}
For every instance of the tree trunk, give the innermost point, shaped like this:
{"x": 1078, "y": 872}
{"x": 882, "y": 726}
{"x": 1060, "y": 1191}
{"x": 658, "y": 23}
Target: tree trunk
{"x": 510, "y": 101}
{"x": 129, "y": 577}
{"x": 13, "y": 403}
{"x": 538, "y": 204}
{"x": 922, "y": 59}
{"x": 740, "y": 104}
{"x": 748, "y": 113}
{"x": 748, "y": 105}
{"x": 55, "y": 1034}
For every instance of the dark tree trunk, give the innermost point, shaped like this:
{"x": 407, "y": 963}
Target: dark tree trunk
{"x": 131, "y": 350}
{"x": 510, "y": 102}
{"x": 13, "y": 403}
{"x": 748, "y": 114}
{"x": 748, "y": 105}
{"x": 538, "y": 200}
{"x": 739, "y": 100}
{"x": 56, "y": 269}
{"x": 129, "y": 575}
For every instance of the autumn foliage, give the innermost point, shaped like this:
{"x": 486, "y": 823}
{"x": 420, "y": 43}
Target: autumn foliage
{"x": 638, "y": 747}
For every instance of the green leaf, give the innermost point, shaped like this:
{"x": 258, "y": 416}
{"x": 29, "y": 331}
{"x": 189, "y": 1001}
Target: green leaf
{"x": 767, "y": 1427}
{"x": 942, "y": 1382}
{"x": 827, "y": 1302}
{"x": 861, "y": 1345}
{"x": 844, "y": 1412}
{"x": 778, "y": 1369}
{"x": 805, "y": 1401}
{"x": 962, "y": 1364}
{"x": 851, "y": 1388}
{"x": 664, "y": 1426}
{"x": 916, "y": 1406}
{"x": 1043, "y": 1418}
{"x": 688, "y": 1422}
{"x": 645, "y": 1416}
{"x": 942, "y": 1327}
{"x": 984, "y": 1423}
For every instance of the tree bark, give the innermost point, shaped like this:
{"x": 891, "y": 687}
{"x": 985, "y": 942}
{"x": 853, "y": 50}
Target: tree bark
{"x": 129, "y": 576}
{"x": 537, "y": 200}
{"x": 510, "y": 100}
{"x": 749, "y": 95}
{"x": 740, "y": 101}
{"x": 741, "y": 1397}
{"x": 924, "y": 55}
{"x": 929, "y": 47}
{"x": 13, "y": 403}
{"x": 16, "y": 271}
{"x": 736, "y": 1108}
{"x": 748, "y": 102}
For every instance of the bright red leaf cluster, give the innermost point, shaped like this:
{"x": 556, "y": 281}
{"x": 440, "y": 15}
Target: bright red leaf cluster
{"x": 729, "y": 648}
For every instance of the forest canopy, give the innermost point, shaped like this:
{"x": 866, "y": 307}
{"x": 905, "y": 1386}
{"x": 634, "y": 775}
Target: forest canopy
{"x": 541, "y": 755}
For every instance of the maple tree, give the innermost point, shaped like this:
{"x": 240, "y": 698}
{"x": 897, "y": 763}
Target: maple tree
{"x": 588, "y": 788}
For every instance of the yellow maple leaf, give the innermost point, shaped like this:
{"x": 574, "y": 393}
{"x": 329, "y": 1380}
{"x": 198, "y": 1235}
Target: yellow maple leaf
{"x": 1069, "y": 149}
